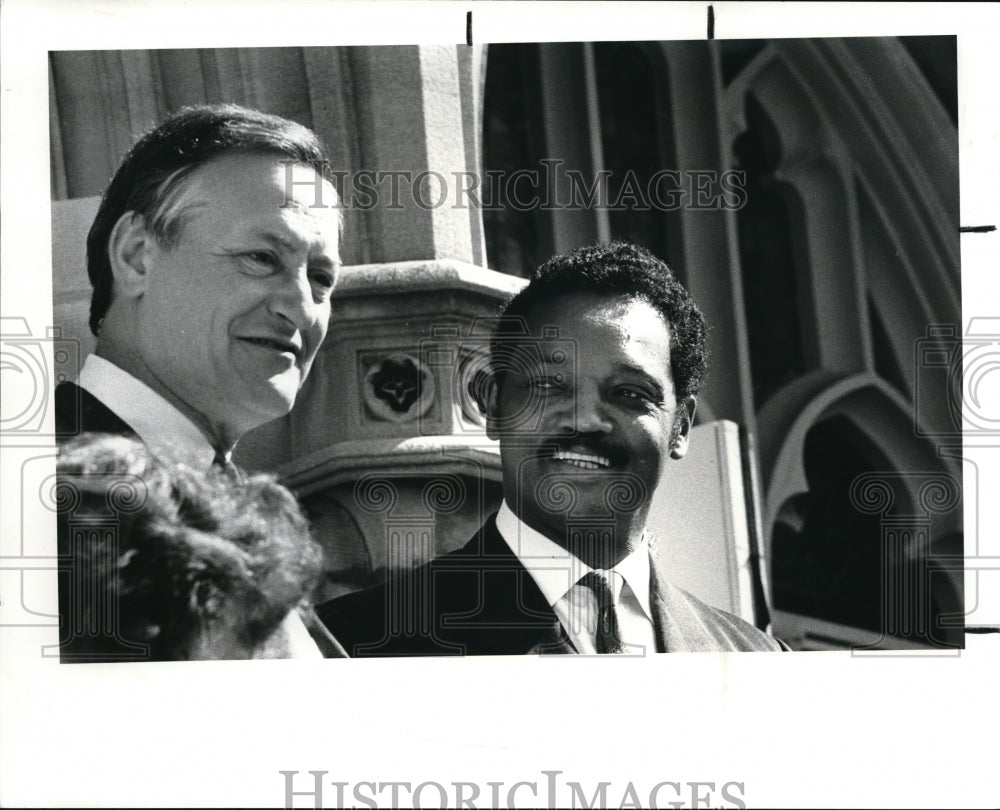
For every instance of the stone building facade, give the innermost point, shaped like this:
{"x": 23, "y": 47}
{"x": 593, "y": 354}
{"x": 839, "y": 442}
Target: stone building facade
{"x": 831, "y": 282}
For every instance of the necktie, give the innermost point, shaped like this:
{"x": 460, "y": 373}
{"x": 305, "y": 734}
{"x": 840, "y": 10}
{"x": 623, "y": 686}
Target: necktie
{"x": 225, "y": 464}
{"x": 608, "y": 639}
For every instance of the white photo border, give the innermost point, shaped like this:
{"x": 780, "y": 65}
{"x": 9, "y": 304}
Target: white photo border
{"x": 820, "y": 729}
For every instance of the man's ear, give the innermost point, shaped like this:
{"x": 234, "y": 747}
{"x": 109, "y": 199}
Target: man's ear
{"x": 127, "y": 253}
{"x": 491, "y": 407}
{"x": 684, "y": 419}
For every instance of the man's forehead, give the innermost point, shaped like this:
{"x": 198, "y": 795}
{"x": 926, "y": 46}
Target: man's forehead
{"x": 567, "y": 355}
{"x": 307, "y": 188}
{"x": 251, "y": 186}
{"x": 575, "y": 329}
{"x": 579, "y": 311}
{"x": 275, "y": 176}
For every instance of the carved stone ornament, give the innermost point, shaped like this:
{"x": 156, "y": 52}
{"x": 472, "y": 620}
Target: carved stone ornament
{"x": 398, "y": 388}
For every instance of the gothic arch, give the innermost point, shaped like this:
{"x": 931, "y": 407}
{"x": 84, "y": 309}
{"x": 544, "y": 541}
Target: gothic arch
{"x": 875, "y": 410}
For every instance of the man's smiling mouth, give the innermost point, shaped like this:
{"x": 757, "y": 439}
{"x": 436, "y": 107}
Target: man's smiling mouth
{"x": 584, "y": 461}
{"x": 274, "y": 343}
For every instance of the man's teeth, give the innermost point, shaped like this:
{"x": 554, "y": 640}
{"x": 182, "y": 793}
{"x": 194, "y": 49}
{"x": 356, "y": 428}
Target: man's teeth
{"x": 271, "y": 344}
{"x": 584, "y": 462}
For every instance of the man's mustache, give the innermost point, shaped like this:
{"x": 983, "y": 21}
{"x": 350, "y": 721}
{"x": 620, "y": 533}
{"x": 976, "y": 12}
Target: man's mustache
{"x": 587, "y": 444}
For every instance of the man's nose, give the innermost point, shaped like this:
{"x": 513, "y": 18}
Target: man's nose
{"x": 291, "y": 298}
{"x": 587, "y": 412}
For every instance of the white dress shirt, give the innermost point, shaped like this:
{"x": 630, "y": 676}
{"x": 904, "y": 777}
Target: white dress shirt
{"x": 158, "y": 423}
{"x": 162, "y": 427}
{"x": 557, "y": 573}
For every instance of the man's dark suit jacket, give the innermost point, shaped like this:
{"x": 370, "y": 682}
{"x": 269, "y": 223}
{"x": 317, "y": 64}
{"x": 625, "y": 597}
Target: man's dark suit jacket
{"x": 480, "y": 600}
{"x": 78, "y": 411}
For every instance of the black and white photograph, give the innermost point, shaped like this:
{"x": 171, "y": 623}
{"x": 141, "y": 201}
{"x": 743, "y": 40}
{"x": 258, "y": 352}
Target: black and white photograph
{"x": 470, "y": 360}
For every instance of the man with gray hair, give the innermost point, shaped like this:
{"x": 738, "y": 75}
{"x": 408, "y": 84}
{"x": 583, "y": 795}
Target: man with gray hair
{"x": 213, "y": 258}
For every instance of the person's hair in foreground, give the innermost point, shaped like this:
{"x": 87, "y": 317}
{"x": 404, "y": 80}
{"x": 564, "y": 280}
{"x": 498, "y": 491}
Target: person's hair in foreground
{"x": 156, "y": 167}
{"x": 196, "y": 564}
{"x": 617, "y": 269}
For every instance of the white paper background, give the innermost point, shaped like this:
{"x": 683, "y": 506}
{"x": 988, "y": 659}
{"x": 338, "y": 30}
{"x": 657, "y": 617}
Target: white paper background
{"x": 808, "y": 729}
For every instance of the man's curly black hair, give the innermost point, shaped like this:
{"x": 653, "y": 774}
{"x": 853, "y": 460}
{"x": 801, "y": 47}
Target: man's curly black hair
{"x": 621, "y": 269}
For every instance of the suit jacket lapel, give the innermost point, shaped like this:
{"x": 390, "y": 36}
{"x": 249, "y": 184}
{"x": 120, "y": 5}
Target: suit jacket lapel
{"x": 679, "y": 628}
{"x": 328, "y": 645}
{"x": 78, "y": 411}
{"x": 684, "y": 624}
{"x": 518, "y": 619}
{"x": 670, "y": 635}
{"x": 553, "y": 641}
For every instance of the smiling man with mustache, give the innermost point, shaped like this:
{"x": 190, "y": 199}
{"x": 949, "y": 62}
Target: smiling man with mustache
{"x": 606, "y": 415}
{"x": 596, "y": 366}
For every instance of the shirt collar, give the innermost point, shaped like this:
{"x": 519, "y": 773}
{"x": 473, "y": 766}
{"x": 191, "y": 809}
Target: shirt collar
{"x": 555, "y": 570}
{"x": 158, "y": 423}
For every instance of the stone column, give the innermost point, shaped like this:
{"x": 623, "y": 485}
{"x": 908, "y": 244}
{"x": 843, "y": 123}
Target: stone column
{"x": 708, "y": 239}
{"x": 409, "y": 102}
{"x": 392, "y": 392}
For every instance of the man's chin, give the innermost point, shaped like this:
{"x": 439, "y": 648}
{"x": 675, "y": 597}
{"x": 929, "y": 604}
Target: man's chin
{"x": 269, "y": 401}
{"x": 285, "y": 387}
{"x": 591, "y": 531}
{"x": 607, "y": 493}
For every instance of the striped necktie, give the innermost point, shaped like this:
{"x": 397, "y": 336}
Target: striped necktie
{"x": 608, "y": 640}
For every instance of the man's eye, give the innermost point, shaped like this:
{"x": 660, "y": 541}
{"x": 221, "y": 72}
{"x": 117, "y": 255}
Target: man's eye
{"x": 259, "y": 260}
{"x": 322, "y": 282}
{"x": 547, "y": 383}
{"x": 634, "y": 394}
{"x": 322, "y": 279}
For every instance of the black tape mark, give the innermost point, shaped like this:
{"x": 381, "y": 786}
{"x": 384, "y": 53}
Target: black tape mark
{"x": 982, "y": 630}
{"x": 711, "y": 22}
{"x": 977, "y": 229}
{"x": 468, "y": 28}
